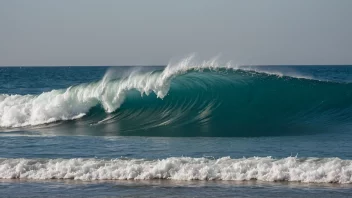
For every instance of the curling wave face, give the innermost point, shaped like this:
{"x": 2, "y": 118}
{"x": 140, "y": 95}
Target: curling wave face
{"x": 188, "y": 99}
{"x": 312, "y": 170}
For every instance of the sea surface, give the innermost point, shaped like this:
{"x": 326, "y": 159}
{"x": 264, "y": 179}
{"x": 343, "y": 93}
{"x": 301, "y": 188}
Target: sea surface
{"x": 182, "y": 130}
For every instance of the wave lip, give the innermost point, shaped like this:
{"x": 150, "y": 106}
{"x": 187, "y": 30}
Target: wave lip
{"x": 307, "y": 170}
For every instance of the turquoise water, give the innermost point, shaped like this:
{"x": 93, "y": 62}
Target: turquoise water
{"x": 176, "y": 131}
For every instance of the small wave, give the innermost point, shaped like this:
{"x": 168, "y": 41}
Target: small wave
{"x": 309, "y": 170}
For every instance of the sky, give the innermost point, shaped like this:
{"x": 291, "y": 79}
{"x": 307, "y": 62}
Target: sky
{"x": 153, "y": 32}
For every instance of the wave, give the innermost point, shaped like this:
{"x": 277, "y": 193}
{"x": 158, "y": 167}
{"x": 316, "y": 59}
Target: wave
{"x": 189, "y": 99}
{"x": 310, "y": 170}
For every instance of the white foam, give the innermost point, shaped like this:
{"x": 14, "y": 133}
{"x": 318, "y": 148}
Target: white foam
{"x": 323, "y": 170}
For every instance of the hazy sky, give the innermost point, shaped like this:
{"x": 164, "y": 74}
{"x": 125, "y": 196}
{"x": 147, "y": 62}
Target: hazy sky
{"x": 149, "y": 32}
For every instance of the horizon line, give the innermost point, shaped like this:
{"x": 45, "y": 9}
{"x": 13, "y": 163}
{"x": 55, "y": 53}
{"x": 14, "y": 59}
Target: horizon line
{"x": 276, "y": 65}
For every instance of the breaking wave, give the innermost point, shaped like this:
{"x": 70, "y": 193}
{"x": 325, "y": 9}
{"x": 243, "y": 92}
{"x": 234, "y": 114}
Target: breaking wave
{"x": 190, "y": 99}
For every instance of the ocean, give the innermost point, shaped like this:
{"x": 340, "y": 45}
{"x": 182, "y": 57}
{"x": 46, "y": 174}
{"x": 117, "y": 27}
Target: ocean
{"x": 181, "y": 130}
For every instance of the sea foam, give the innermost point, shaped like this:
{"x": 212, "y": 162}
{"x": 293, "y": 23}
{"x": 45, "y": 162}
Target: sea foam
{"x": 315, "y": 170}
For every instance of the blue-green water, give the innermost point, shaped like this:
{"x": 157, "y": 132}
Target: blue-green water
{"x": 176, "y": 131}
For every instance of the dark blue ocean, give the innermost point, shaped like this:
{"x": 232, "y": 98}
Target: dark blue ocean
{"x": 183, "y": 130}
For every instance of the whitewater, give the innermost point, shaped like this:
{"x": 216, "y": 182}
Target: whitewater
{"x": 328, "y": 170}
